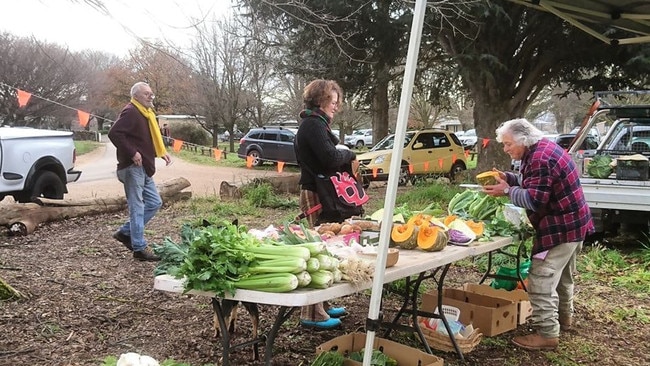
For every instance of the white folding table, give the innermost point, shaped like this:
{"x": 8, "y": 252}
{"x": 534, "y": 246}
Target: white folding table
{"x": 411, "y": 263}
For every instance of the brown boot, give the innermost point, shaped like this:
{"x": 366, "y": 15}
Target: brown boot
{"x": 566, "y": 322}
{"x": 146, "y": 254}
{"x": 536, "y": 342}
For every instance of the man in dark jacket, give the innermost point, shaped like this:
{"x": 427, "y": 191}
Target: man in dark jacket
{"x": 137, "y": 138}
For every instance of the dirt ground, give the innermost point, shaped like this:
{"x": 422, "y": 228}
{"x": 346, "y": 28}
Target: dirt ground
{"x": 89, "y": 299}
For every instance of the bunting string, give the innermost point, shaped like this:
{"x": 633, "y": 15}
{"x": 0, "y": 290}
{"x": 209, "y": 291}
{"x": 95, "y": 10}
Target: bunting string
{"x": 25, "y": 96}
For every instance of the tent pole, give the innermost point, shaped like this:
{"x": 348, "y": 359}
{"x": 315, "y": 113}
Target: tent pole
{"x": 395, "y": 166}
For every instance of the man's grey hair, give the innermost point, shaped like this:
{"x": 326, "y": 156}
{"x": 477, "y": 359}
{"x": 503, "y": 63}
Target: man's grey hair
{"x": 522, "y": 132}
{"x": 136, "y": 87}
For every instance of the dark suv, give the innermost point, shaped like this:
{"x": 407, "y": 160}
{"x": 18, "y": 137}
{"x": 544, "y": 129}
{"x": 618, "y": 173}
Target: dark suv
{"x": 268, "y": 144}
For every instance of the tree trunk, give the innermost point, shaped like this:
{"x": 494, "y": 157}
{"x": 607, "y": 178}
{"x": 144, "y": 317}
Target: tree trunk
{"x": 23, "y": 218}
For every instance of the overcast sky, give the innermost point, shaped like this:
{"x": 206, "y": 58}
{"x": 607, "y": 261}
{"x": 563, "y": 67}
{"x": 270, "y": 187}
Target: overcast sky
{"x": 80, "y": 26}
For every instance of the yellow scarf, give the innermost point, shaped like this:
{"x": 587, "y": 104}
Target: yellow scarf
{"x": 156, "y": 137}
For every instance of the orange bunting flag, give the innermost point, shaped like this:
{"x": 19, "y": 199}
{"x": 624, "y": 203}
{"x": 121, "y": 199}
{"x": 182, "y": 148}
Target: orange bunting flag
{"x": 485, "y": 142}
{"x": 280, "y": 166}
{"x": 23, "y": 97}
{"x": 374, "y": 172}
{"x": 426, "y": 166}
{"x": 466, "y": 154}
{"x": 411, "y": 168}
{"x": 83, "y": 118}
{"x": 249, "y": 162}
{"x": 440, "y": 161}
{"x": 178, "y": 144}
{"x": 454, "y": 157}
{"x": 217, "y": 154}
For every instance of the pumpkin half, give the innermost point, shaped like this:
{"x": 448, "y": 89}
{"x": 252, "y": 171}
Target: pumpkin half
{"x": 477, "y": 227}
{"x": 432, "y": 238}
{"x": 487, "y": 178}
{"x": 404, "y": 235}
{"x": 449, "y": 219}
{"x": 419, "y": 220}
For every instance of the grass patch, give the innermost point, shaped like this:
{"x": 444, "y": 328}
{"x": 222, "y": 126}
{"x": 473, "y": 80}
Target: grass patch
{"x": 84, "y": 147}
{"x": 231, "y": 161}
{"x": 610, "y": 265}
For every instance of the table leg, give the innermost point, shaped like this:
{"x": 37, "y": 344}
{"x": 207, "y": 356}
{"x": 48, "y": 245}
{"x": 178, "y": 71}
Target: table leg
{"x": 223, "y": 328}
{"x": 283, "y": 314}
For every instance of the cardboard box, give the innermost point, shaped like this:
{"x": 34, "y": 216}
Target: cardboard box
{"x": 520, "y": 297}
{"x": 404, "y": 355}
{"x": 492, "y": 315}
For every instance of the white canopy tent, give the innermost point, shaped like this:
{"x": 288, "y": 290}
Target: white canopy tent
{"x": 631, "y": 16}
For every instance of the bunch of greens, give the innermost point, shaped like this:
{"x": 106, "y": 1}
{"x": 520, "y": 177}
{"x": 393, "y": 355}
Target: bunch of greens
{"x": 173, "y": 254}
{"x": 217, "y": 257}
{"x": 599, "y": 166}
{"x": 378, "y": 358}
{"x": 329, "y": 358}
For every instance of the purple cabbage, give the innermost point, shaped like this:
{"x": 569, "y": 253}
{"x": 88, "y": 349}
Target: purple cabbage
{"x": 457, "y": 236}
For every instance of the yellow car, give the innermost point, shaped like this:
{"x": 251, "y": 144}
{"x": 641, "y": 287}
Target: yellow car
{"x": 426, "y": 152}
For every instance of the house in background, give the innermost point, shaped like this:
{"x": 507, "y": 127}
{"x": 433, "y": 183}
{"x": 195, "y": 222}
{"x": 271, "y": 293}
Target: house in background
{"x": 172, "y": 119}
{"x": 449, "y": 124}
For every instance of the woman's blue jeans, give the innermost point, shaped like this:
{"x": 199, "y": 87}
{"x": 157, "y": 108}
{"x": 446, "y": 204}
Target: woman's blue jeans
{"x": 143, "y": 201}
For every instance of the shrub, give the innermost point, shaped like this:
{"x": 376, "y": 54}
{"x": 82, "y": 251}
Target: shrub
{"x": 190, "y": 132}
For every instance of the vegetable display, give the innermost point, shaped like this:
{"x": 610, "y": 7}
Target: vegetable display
{"x": 222, "y": 259}
{"x": 600, "y": 166}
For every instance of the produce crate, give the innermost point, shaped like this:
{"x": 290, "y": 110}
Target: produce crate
{"x": 631, "y": 170}
{"x": 404, "y": 355}
{"x": 520, "y": 297}
{"x": 493, "y": 315}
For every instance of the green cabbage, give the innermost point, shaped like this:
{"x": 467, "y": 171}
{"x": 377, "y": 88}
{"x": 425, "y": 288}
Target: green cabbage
{"x": 599, "y": 166}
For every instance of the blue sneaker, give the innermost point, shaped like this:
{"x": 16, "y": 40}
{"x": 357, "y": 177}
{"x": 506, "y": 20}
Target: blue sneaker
{"x": 330, "y": 323}
{"x": 336, "y": 312}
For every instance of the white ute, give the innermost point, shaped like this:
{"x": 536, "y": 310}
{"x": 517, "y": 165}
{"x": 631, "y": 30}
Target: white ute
{"x": 621, "y": 199}
{"x": 36, "y": 163}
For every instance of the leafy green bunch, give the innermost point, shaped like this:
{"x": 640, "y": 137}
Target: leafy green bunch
{"x": 217, "y": 257}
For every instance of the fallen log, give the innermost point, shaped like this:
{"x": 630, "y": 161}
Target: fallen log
{"x": 23, "y": 218}
{"x": 280, "y": 184}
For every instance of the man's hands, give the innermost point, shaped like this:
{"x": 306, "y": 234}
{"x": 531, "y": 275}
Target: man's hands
{"x": 137, "y": 159}
{"x": 168, "y": 159}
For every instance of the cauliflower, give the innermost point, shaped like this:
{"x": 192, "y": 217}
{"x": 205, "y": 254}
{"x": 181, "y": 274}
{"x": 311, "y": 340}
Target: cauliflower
{"x": 135, "y": 359}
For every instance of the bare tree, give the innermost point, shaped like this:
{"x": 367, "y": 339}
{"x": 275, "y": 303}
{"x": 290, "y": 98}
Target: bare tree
{"x": 56, "y": 77}
{"x": 222, "y": 74}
